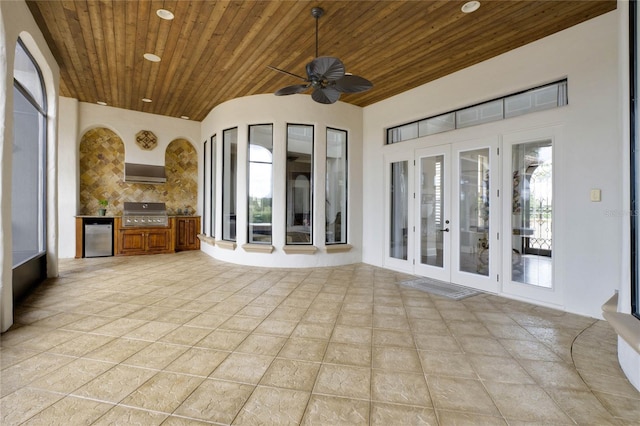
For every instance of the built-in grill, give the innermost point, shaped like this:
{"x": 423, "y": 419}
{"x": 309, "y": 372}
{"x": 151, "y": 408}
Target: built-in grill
{"x": 144, "y": 214}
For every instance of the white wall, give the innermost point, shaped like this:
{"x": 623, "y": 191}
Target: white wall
{"x": 76, "y": 118}
{"x": 68, "y": 176}
{"x": 588, "y": 238}
{"x": 295, "y": 109}
{"x": 629, "y": 358}
{"x": 126, "y": 123}
{"x": 16, "y": 21}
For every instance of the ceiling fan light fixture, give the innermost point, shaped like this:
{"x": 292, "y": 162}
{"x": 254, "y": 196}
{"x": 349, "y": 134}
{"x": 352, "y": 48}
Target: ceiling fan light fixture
{"x": 151, "y": 57}
{"x": 165, "y": 14}
{"x": 325, "y": 75}
{"x": 470, "y": 6}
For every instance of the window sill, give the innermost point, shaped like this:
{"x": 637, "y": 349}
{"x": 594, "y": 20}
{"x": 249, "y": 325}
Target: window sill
{"x": 258, "y": 248}
{"x": 299, "y": 249}
{"x": 207, "y": 240}
{"x": 227, "y": 245}
{"x": 625, "y": 325}
{"x": 338, "y": 248}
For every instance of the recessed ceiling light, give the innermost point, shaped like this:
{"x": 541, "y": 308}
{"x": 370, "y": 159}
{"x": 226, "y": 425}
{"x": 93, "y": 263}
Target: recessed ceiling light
{"x": 184, "y": 117}
{"x": 147, "y": 100}
{"x": 151, "y": 57}
{"x": 101, "y": 103}
{"x": 470, "y": 6}
{"x": 165, "y": 14}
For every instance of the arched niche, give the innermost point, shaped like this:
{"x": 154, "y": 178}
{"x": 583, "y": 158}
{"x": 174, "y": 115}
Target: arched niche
{"x": 101, "y": 170}
{"x": 181, "y": 165}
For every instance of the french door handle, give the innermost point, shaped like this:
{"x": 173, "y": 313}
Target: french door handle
{"x": 444, "y": 230}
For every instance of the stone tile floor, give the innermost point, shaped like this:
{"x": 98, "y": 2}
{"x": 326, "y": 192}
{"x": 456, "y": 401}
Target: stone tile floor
{"x": 185, "y": 339}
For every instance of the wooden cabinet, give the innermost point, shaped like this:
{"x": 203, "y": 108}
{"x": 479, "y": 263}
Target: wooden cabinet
{"x": 148, "y": 240}
{"x": 180, "y": 235}
{"x": 187, "y": 229}
{"x": 145, "y": 241}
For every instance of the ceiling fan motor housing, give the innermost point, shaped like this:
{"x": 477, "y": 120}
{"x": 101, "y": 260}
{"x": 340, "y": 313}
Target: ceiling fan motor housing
{"x": 317, "y": 12}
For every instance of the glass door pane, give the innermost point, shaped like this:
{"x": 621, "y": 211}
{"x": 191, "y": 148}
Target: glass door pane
{"x": 432, "y": 225}
{"x": 432, "y": 221}
{"x": 532, "y": 213}
{"x": 473, "y": 219}
{"x": 399, "y": 214}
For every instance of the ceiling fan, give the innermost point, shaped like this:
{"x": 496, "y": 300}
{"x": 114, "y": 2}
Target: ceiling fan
{"x": 325, "y": 75}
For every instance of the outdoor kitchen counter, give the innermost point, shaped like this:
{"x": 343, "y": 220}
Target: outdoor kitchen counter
{"x": 180, "y": 234}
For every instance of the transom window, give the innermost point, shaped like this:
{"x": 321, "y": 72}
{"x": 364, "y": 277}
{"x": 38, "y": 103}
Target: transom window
{"x": 549, "y": 96}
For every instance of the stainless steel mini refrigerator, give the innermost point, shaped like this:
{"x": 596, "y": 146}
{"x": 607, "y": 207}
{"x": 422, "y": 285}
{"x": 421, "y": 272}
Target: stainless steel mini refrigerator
{"x": 98, "y": 238}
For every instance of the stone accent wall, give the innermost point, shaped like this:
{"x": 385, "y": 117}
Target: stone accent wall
{"x": 181, "y": 163}
{"x": 102, "y": 176}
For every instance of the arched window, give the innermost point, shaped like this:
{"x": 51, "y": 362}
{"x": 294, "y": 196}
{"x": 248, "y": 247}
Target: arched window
{"x": 28, "y": 171}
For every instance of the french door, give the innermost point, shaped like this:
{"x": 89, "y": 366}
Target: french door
{"x": 433, "y": 212}
{"x": 456, "y": 211}
{"x": 477, "y": 213}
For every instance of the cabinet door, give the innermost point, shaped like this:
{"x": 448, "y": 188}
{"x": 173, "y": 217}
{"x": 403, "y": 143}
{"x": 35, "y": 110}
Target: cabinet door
{"x": 187, "y": 233}
{"x": 131, "y": 242}
{"x": 159, "y": 240}
{"x": 181, "y": 234}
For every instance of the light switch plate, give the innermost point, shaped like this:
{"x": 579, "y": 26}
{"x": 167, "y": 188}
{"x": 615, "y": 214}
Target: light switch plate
{"x": 596, "y": 195}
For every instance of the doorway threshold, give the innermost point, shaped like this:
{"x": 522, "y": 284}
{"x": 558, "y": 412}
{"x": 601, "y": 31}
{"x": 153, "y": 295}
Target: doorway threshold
{"x": 441, "y": 288}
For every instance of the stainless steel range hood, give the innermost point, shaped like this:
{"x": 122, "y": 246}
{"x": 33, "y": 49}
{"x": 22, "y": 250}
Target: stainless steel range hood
{"x": 144, "y": 173}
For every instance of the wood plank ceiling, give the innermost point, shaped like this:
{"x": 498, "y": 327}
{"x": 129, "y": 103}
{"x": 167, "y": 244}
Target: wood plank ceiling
{"x": 214, "y": 51}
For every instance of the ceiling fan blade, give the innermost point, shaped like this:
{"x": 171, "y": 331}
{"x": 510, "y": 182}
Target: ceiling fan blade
{"x": 328, "y": 95}
{"x": 286, "y": 72}
{"x": 326, "y": 67}
{"x": 291, "y": 90}
{"x": 352, "y": 84}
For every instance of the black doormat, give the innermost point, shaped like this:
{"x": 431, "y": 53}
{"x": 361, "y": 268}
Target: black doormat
{"x": 441, "y": 288}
